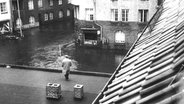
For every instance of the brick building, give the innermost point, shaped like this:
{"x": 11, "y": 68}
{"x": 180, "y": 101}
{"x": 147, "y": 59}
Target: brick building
{"x": 120, "y": 20}
{"x": 37, "y": 12}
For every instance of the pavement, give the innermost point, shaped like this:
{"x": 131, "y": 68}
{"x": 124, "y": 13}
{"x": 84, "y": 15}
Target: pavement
{"x": 19, "y": 86}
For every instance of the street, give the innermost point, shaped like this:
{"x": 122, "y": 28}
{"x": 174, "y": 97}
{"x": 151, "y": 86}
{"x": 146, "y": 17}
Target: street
{"x": 41, "y": 47}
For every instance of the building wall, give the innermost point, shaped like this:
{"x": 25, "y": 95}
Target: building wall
{"x": 102, "y": 16}
{"x": 38, "y": 12}
{"x": 103, "y": 8}
{"x": 83, "y": 4}
{"x": 130, "y": 29}
{"x": 55, "y": 10}
{"x": 7, "y": 15}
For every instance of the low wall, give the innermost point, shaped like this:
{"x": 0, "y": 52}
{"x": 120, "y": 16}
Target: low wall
{"x": 54, "y": 70}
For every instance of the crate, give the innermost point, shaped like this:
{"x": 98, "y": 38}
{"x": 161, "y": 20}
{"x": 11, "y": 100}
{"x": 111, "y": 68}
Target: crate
{"x": 78, "y": 91}
{"x": 53, "y": 90}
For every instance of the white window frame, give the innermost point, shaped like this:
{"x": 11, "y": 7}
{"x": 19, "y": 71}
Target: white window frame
{"x": 68, "y": 13}
{"x": 40, "y": 3}
{"x": 30, "y": 5}
{"x": 60, "y": 2}
{"x": 32, "y": 20}
{"x": 3, "y": 8}
{"x": 51, "y": 16}
{"x": 142, "y": 15}
{"x": 60, "y": 14}
{"x": 119, "y": 37}
{"x": 18, "y": 22}
{"x": 51, "y": 2}
{"x": 114, "y": 14}
{"x": 89, "y": 14}
{"x": 46, "y": 17}
{"x": 91, "y": 17}
{"x": 125, "y": 13}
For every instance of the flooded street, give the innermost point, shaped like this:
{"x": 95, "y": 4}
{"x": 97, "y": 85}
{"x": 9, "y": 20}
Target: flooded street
{"x": 41, "y": 48}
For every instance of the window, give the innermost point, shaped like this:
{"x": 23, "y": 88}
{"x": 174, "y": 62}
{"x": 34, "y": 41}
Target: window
{"x": 51, "y": 2}
{"x": 3, "y": 8}
{"x": 60, "y": 14}
{"x": 125, "y": 14}
{"x": 31, "y": 20}
{"x": 46, "y": 17}
{"x": 68, "y": 12}
{"x": 143, "y": 15}
{"x": 59, "y": 2}
{"x": 119, "y": 37}
{"x": 114, "y": 14}
{"x": 18, "y": 22}
{"x": 30, "y": 5}
{"x": 51, "y": 16}
{"x": 89, "y": 14}
{"x": 40, "y": 3}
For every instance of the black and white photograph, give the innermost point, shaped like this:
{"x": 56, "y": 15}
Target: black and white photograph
{"x": 92, "y": 51}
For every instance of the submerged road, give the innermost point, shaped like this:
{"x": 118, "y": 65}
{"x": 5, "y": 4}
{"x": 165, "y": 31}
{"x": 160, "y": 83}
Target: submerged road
{"x": 29, "y": 87}
{"x": 41, "y": 47}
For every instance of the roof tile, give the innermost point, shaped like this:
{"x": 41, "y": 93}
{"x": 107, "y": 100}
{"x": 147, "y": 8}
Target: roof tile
{"x": 152, "y": 71}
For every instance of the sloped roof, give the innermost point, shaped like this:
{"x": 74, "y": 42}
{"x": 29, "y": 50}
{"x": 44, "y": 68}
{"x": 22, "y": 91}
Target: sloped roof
{"x": 152, "y": 71}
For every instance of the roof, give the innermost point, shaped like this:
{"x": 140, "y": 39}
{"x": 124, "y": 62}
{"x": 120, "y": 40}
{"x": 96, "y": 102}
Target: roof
{"x": 152, "y": 70}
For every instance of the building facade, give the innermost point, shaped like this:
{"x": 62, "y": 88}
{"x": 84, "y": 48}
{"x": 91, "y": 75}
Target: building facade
{"x": 37, "y": 12}
{"x": 5, "y": 16}
{"x": 120, "y": 20}
{"x": 116, "y": 10}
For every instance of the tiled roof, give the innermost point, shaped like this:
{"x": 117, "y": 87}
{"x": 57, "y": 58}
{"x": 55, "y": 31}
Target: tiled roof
{"x": 152, "y": 71}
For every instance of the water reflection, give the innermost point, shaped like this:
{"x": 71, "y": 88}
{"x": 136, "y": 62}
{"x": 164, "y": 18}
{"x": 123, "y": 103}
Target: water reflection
{"x": 98, "y": 60}
{"x": 40, "y": 48}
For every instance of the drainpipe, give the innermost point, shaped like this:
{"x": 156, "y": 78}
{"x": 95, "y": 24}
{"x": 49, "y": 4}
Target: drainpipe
{"x": 11, "y": 17}
{"x": 101, "y": 30}
{"x": 18, "y": 6}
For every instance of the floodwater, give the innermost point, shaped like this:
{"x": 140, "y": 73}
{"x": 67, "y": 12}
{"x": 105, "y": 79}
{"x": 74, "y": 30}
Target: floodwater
{"x": 42, "y": 46}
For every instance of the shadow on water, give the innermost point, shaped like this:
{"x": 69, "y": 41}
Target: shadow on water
{"x": 40, "y": 48}
{"x": 98, "y": 60}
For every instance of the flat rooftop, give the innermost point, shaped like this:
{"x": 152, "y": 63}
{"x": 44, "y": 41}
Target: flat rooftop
{"x": 19, "y": 86}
